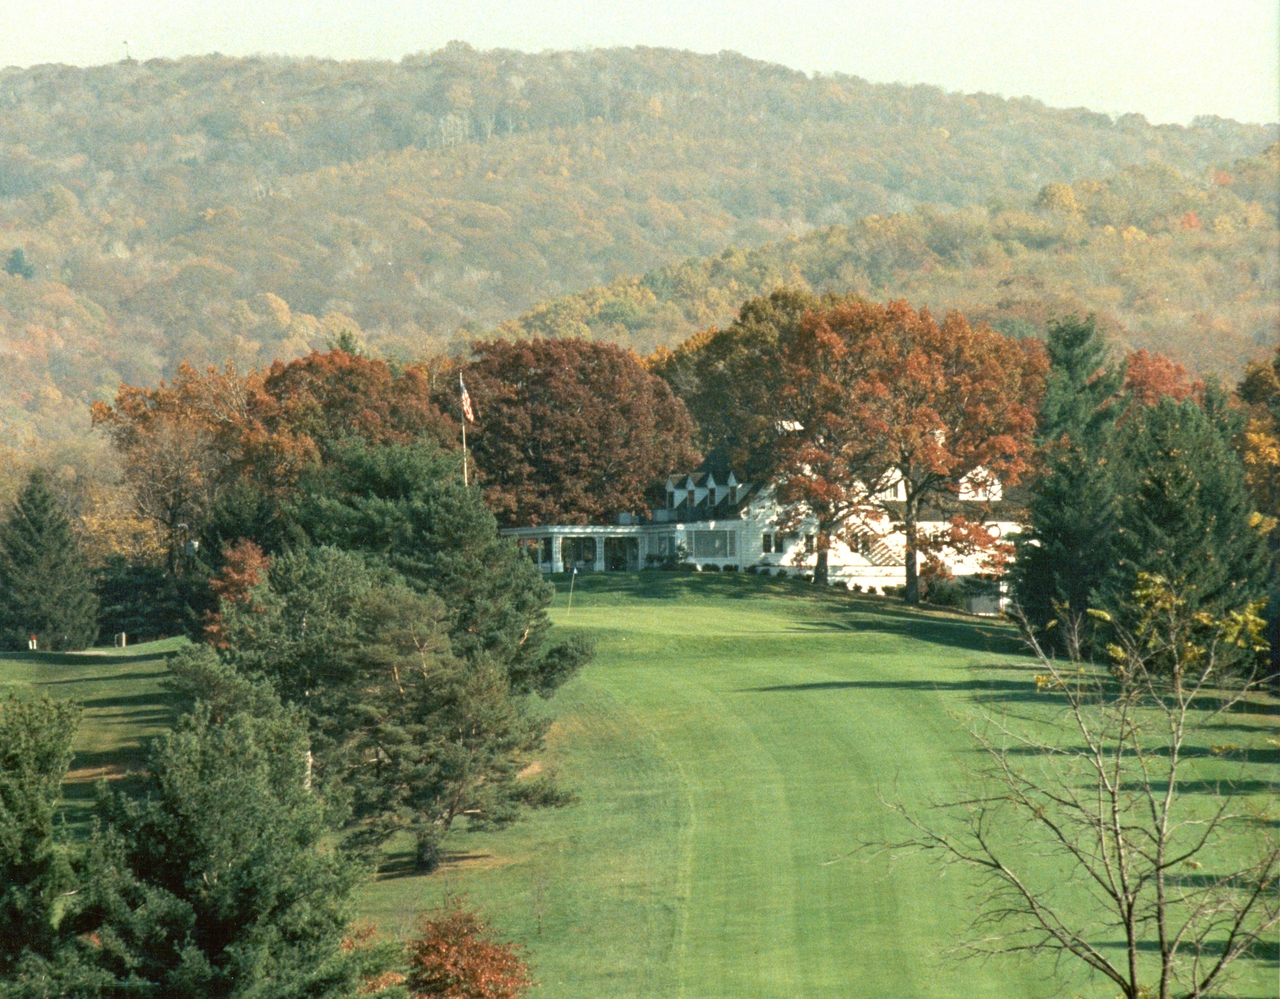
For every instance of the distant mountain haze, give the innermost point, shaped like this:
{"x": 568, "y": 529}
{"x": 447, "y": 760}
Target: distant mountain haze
{"x": 212, "y": 208}
{"x": 1169, "y": 60}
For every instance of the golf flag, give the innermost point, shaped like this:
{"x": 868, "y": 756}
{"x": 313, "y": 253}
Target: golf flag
{"x": 467, "y": 411}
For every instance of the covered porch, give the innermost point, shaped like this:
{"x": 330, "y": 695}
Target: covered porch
{"x": 564, "y": 548}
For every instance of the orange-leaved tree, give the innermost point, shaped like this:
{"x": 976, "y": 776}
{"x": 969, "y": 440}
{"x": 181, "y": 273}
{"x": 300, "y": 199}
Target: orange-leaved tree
{"x": 571, "y": 430}
{"x": 455, "y": 956}
{"x": 180, "y": 443}
{"x": 1151, "y": 377}
{"x": 307, "y": 405}
{"x": 884, "y": 396}
{"x": 825, "y": 465}
{"x": 244, "y": 566}
{"x": 185, "y": 441}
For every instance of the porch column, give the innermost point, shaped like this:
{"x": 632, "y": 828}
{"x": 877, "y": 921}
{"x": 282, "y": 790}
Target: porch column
{"x": 557, "y": 561}
{"x": 599, "y": 563}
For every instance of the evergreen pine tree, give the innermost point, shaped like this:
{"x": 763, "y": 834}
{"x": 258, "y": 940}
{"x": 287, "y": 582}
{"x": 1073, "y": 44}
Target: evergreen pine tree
{"x": 1065, "y": 551}
{"x": 45, "y": 586}
{"x": 1184, "y": 511}
{"x": 219, "y": 883}
{"x": 19, "y": 266}
{"x": 35, "y": 751}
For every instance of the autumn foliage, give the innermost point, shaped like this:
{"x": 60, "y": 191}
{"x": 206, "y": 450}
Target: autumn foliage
{"x": 244, "y": 566}
{"x": 309, "y": 403}
{"x": 183, "y": 442}
{"x": 571, "y": 431}
{"x": 1151, "y": 377}
{"x": 456, "y": 957}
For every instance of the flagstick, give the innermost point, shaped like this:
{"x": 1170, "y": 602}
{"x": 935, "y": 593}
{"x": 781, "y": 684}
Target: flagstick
{"x": 572, "y": 579}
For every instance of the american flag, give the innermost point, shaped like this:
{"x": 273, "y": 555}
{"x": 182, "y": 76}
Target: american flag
{"x": 467, "y": 411}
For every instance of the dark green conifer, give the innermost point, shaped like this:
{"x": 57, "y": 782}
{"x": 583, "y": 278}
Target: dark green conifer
{"x": 407, "y": 503}
{"x": 19, "y": 266}
{"x": 218, "y": 883}
{"x": 1184, "y": 510}
{"x": 45, "y": 586}
{"x": 35, "y": 751}
{"x": 1066, "y": 549}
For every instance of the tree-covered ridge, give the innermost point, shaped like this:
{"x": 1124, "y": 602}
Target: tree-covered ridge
{"x": 1168, "y": 262}
{"x": 209, "y": 207}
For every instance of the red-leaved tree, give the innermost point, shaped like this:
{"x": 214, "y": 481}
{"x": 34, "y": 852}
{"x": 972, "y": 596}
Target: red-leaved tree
{"x": 183, "y": 442}
{"x": 571, "y": 431}
{"x": 305, "y": 406}
{"x": 1150, "y": 377}
{"x": 244, "y": 566}
{"x": 456, "y": 957}
{"x": 883, "y": 394}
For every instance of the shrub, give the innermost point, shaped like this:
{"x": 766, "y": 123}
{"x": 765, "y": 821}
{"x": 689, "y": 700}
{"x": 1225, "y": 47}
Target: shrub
{"x": 947, "y": 592}
{"x": 456, "y": 957}
{"x": 710, "y": 567}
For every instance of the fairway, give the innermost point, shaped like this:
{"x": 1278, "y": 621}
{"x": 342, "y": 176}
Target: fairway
{"x": 728, "y": 747}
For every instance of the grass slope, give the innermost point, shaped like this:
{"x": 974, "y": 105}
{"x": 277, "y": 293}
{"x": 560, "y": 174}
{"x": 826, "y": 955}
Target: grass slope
{"x": 124, "y": 706}
{"x": 728, "y": 747}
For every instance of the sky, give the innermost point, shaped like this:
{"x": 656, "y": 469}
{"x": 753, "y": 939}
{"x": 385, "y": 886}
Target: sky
{"x": 1167, "y": 59}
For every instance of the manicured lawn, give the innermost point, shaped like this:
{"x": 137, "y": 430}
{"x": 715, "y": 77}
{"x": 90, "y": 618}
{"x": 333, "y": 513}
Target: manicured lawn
{"x": 124, "y": 705}
{"x": 728, "y": 748}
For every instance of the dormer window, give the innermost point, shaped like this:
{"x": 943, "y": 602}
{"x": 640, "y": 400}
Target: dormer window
{"x": 693, "y": 497}
{"x": 671, "y": 499}
{"x": 711, "y": 496}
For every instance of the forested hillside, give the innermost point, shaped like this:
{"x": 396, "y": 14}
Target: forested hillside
{"x": 212, "y": 208}
{"x": 1190, "y": 269}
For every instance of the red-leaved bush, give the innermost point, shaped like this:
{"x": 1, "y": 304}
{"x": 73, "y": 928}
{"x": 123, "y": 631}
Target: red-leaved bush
{"x": 456, "y": 957}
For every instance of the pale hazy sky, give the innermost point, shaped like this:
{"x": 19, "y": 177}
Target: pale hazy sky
{"x": 1168, "y": 60}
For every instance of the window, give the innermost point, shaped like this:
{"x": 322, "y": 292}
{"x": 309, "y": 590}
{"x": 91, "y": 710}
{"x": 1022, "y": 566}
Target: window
{"x": 671, "y": 499}
{"x": 809, "y": 544}
{"x": 693, "y": 498}
{"x": 766, "y": 543}
{"x": 578, "y": 551}
{"x": 715, "y": 544}
{"x": 711, "y": 496}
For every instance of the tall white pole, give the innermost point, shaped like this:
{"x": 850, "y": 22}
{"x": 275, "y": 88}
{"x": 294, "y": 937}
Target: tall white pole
{"x": 462, "y": 388}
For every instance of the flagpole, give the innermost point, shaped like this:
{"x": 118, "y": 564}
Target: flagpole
{"x": 462, "y": 388}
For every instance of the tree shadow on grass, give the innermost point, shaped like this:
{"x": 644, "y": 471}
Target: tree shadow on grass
{"x": 157, "y": 700}
{"x": 1007, "y": 691}
{"x": 956, "y": 634}
{"x": 1265, "y": 950}
{"x": 91, "y": 658}
{"x": 403, "y": 863}
{"x": 103, "y": 679}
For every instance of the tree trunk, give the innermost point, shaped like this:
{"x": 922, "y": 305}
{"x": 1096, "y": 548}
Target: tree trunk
{"x": 912, "y": 594}
{"x": 427, "y": 856}
{"x": 820, "y": 566}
